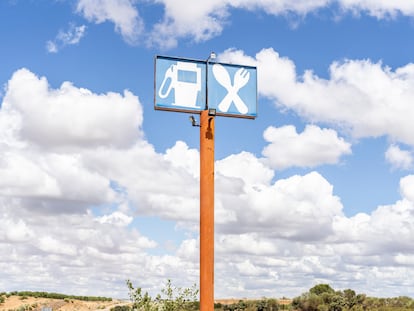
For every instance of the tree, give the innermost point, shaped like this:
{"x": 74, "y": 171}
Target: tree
{"x": 307, "y": 302}
{"x": 321, "y": 288}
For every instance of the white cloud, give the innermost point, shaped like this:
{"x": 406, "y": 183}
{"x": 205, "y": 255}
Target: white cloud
{"x": 407, "y": 187}
{"x": 379, "y": 8}
{"x": 301, "y": 7}
{"x": 247, "y": 243}
{"x": 366, "y": 98}
{"x": 202, "y": 21}
{"x": 314, "y": 146}
{"x": 400, "y": 159}
{"x": 181, "y": 156}
{"x": 297, "y": 206}
{"x": 69, "y": 206}
{"x": 364, "y": 249}
{"x": 392, "y": 222}
{"x": 247, "y": 167}
{"x": 120, "y": 12}
{"x": 51, "y": 252}
{"x": 70, "y": 37}
{"x": 70, "y": 116}
{"x": 116, "y": 218}
{"x": 15, "y": 231}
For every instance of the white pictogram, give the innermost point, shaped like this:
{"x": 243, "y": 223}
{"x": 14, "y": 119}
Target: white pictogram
{"x": 185, "y": 78}
{"x": 241, "y": 77}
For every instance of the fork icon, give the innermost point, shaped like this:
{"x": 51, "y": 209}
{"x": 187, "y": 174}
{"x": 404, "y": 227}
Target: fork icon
{"x": 241, "y": 77}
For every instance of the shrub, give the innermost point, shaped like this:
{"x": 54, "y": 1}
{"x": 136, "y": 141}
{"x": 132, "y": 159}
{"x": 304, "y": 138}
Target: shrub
{"x": 171, "y": 298}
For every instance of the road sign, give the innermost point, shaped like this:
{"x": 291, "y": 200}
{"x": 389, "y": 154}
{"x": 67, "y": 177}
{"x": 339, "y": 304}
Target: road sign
{"x": 197, "y": 87}
{"x": 187, "y": 85}
{"x": 180, "y": 84}
{"x": 232, "y": 90}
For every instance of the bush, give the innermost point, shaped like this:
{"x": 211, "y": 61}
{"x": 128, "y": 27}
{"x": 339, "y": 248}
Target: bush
{"x": 323, "y": 298}
{"x": 121, "y": 308}
{"x": 172, "y": 298}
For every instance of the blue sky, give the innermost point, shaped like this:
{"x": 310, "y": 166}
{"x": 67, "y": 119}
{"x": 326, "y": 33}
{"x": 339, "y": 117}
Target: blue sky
{"x": 97, "y": 187}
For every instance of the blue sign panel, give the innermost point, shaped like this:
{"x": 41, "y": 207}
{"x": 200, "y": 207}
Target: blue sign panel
{"x": 232, "y": 90}
{"x": 180, "y": 84}
{"x": 186, "y": 85}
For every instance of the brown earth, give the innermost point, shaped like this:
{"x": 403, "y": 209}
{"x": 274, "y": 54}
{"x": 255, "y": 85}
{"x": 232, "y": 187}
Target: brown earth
{"x": 13, "y": 303}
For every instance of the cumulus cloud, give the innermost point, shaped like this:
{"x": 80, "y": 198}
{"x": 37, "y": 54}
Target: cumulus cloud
{"x": 206, "y": 20}
{"x": 69, "y": 252}
{"x": 297, "y": 206}
{"x": 70, "y": 116}
{"x": 400, "y": 159}
{"x": 200, "y": 21}
{"x": 247, "y": 167}
{"x": 365, "y": 98}
{"x": 70, "y": 37}
{"x": 379, "y": 9}
{"x": 120, "y": 12}
{"x": 68, "y": 195}
{"x": 116, "y": 218}
{"x": 330, "y": 245}
{"x": 181, "y": 156}
{"x": 314, "y": 146}
{"x": 48, "y": 131}
{"x": 69, "y": 207}
{"x": 407, "y": 187}
{"x": 203, "y": 21}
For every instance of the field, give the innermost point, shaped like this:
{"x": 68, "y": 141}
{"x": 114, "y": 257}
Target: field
{"x": 19, "y": 303}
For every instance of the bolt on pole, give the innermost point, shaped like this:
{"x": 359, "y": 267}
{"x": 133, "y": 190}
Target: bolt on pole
{"x": 206, "y": 211}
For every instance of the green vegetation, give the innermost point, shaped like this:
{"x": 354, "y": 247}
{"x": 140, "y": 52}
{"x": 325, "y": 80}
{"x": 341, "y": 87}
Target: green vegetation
{"x": 185, "y": 299}
{"x": 250, "y": 305}
{"x": 121, "y": 308}
{"x": 25, "y": 294}
{"x": 322, "y": 297}
{"x": 171, "y": 299}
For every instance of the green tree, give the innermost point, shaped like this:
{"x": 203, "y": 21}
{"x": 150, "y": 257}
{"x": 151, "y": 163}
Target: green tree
{"x": 321, "y": 288}
{"x": 267, "y": 305}
{"x": 337, "y": 303}
{"x": 307, "y": 302}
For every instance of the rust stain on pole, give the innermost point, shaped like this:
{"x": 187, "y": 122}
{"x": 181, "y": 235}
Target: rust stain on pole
{"x": 206, "y": 212}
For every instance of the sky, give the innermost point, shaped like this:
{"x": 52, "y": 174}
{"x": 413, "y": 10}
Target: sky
{"x": 97, "y": 187}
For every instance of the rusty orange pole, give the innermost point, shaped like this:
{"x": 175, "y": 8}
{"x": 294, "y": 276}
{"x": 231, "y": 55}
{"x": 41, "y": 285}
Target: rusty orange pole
{"x": 206, "y": 211}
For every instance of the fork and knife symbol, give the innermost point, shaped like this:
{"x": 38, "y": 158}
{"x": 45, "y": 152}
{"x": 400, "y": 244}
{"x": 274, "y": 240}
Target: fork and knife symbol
{"x": 241, "y": 77}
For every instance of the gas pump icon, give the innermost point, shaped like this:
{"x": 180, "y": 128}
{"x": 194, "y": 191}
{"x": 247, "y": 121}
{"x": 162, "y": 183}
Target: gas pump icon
{"x": 185, "y": 79}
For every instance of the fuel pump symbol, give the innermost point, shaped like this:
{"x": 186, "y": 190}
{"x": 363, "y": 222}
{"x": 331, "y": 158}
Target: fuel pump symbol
{"x": 185, "y": 79}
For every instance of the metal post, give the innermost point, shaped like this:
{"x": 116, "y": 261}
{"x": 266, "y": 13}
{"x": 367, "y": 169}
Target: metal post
{"x": 206, "y": 211}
